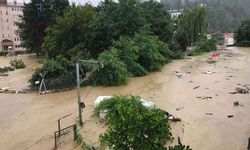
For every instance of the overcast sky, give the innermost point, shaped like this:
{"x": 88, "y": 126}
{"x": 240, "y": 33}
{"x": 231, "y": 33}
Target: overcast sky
{"x": 94, "y": 2}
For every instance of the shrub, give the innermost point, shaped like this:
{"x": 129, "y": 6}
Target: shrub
{"x": 17, "y": 63}
{"x": 132, "y": 126}
{"x": 151, "y": 56}
{"x": 114, "y": 71}
{"x": 205, "y": 45}
{"x": 60, "y": 73}
{"x": 242, "y": 37}
{"x": 128, "y": 53}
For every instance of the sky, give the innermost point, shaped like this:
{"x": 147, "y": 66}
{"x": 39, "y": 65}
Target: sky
{"x": 93, "y": 2}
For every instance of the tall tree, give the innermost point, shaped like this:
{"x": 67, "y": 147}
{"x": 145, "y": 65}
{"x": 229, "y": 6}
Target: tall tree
{"x": 71, "y": 34}
{"x": 37, "y": 16}
{"x": 192, "y": 26}
{"x": 115, "y": 20}
{"x": 158, "y": 19}
{"x": 242, "y": 35}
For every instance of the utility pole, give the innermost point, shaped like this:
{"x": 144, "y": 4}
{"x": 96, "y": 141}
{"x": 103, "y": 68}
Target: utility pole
{"x": 81, "y": 105}
{"x": 78, "y": 93}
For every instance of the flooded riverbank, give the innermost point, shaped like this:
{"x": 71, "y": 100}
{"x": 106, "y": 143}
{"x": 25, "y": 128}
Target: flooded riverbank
{"x": 27, "y": 121}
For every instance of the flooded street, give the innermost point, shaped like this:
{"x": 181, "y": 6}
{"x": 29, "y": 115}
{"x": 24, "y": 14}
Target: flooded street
{"x": 27, "y": 121}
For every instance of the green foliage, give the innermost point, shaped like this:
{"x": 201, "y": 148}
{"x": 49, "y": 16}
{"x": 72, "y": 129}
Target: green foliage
{"x": 18, "y": 64}
{"x": 132, "y": 126}
{"x": 71, "y": 35}
{"x": 60, "y": 73}
{"x": 128, "y": 52}
{"x": 191, "y": 27}
{"x": 206, "y": 45}
{"x": 159, "y": 20}
{"x": 153, "y": 54}
{"x": 114, "y": 71}
{"x": 37, "y": 15}
{"x": 179, "y": 147}
{"x": 242, "y": 35}
{"x": 14, "y": 64}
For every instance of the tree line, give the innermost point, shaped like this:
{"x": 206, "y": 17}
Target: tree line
{"x": 131, "y": 38}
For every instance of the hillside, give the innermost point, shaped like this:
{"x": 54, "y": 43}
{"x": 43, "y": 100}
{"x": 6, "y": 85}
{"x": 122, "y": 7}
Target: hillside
{"x": 223, "y": 15}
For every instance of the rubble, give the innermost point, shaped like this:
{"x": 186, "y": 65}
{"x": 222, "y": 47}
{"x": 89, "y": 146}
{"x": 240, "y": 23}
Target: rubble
{"x": 236, "y": 103}
{"x": 239, "y": 90}
{"x": 179, "y": 108}
{"x": 170, "y": 117}
{"x": 196, "y": 87}
{"x": 209, "y": 114}
{"x": 204, "y": 97}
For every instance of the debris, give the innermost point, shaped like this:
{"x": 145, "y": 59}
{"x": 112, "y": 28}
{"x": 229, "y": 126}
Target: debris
{"x": 171, "y": 117}
{"x": 196, "y": 87}
{"x": 204, "y": 97}
{"x": 179, "y": 76}
{"x": 188, "y": 72}
{"x": 236, "y": 103}
{"x": 209, "y": 114}
{"x": 240, "y": 90}
{"x": 191, "y": 81}
{"x": 179, "y": 108}
{"x": 208, "y": 72}
{"x": 4, "y": 74}
{"x": 230, "y": 116}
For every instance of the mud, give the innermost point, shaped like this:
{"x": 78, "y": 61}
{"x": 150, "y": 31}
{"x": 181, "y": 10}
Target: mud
{"x": 27, "y": 121}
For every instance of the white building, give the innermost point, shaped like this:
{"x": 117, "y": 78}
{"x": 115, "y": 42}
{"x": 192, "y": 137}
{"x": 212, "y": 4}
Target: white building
{"x": 175, "y": 13}
{"x": 9, "y": 33}
{"x": 229, "y": 39}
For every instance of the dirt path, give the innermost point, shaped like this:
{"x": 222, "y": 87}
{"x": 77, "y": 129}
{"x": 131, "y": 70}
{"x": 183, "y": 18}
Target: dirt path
{"x": 27, "y": 121}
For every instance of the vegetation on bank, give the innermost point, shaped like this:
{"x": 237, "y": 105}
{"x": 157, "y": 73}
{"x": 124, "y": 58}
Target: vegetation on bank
{"x": 14, "y": 64}
{"x": 133, "y": 126}
{"x": 242, "y": 35}
{"x": 127, "y": 37}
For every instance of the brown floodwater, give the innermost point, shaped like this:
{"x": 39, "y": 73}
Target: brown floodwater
{"x": 27, "y": 121}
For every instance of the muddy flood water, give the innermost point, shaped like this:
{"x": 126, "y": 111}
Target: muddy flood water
{"x": 28, "y": 121}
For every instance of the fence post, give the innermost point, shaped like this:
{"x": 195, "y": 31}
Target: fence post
{"x": 75, "y": 132}
{"x": 55, "y": 140}
{"x": 59, "y": 127}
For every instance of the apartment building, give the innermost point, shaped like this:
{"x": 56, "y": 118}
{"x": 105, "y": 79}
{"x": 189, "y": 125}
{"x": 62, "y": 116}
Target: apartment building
{"x": 10, "y": 13}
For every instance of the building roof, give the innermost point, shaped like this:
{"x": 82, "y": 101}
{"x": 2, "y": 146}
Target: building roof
{"x": 228, "y": 35}
{"x": 10, "y": 4}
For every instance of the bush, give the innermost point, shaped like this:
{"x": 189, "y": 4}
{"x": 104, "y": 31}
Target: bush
{"x": 132, "y": 126}
{"x": 114, "y": 71}
{"x": 128, "y": 52}
{"x": 17, "y": 63}
{"x": 60, "y": 73}
{"x": 205, "y": 45}
{"x": 242, "y": 37}
{"x": 153, "y": 53}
